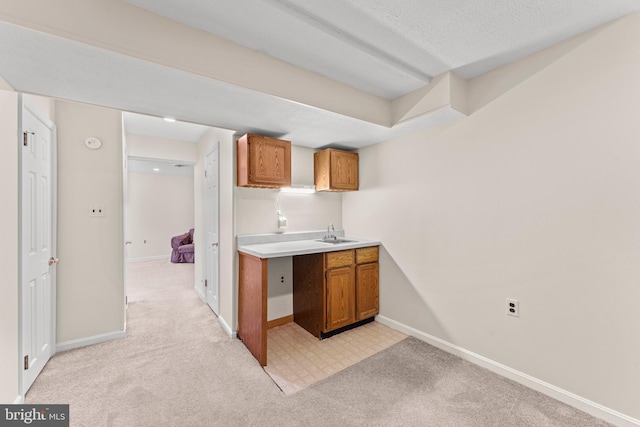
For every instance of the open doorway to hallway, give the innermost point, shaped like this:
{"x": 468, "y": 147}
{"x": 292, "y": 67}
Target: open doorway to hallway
{"x": 159, "y": 205}
{"x": 160, "y": 191}
{"x": 159, "y": 212}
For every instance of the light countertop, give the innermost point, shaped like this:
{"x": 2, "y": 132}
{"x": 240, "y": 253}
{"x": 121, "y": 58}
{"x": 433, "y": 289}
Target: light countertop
{"x": 291, "y": 244}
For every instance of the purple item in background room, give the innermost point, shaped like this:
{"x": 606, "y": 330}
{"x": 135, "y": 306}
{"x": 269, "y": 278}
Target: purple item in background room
{"x": 182, "y": 246}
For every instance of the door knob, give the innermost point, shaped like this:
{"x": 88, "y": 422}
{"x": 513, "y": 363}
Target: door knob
{"x": 128, "y": 242}
{"x": 53, "y": 260}
{"x": 214, "y": 244}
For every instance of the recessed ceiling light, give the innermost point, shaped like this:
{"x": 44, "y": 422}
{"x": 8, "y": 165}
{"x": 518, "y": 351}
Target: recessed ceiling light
{"x": 156, "y": 170}
{"x": 169, "y": 119}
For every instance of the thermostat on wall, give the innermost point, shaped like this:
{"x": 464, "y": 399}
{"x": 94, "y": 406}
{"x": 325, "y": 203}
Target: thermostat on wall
{"x": 93, "y": 143}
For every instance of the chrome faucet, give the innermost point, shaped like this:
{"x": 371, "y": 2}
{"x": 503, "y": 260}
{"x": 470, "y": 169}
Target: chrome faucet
{"x": 330, "y": 232}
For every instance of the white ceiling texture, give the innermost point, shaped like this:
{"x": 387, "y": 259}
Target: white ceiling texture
{"x": 382, "y": 48}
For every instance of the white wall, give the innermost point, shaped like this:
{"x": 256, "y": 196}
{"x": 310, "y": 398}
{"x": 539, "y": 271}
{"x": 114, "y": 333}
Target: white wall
{"x": 161, "y": 149}
{"x": 256, "y": 211}
{"x": 9, "y": 351}
{"x": 160, "y": 206}
{"x": 280, "y": 288}
{"x": 256, "y": 207}
{"x": 535, "y": 196}
{"x": 91, "y": 269}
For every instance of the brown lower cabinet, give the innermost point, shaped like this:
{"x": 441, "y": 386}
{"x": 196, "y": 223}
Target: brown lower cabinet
{"x": 331, "y": 290}
{"x": 366, "y": 290}
{"x": 335, "y": 289}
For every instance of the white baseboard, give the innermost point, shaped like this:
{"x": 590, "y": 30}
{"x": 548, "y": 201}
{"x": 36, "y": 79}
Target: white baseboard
{"x": 148, "y": 258}
{"x": 557, "y": 393}
{"x": 83, "y": 342}
{"x": 202, "y": 296}
{"x": 223, "y": 323}
{"x": 19, "y": 400}
{"x": 227, "y": 328}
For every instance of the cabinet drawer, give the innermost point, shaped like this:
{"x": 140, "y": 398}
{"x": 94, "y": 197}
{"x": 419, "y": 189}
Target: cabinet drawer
{"x": 364, "y": 255}
{"x": 339, "y": 259}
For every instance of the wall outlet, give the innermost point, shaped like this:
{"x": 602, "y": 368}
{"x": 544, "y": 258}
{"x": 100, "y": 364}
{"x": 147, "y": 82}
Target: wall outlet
{"x": 282, "y": 222}
{"x": 513, "y": 307}
{"x": 96, "y": 211}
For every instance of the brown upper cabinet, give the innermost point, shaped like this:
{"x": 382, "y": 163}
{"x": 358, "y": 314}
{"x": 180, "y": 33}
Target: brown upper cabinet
{"x": 335, "y": 170}
{"x": 263, "y": 162}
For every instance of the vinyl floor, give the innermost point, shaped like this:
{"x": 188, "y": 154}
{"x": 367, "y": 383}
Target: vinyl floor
{"x": 297, "y": 359}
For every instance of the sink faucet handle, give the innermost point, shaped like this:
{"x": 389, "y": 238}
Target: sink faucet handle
{"x": 329, "y": 235}
{"x": 330, "y": 231}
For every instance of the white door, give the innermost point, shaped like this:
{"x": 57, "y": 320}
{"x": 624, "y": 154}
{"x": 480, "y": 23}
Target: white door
{"x": 125, "y": 215}
{"x": 38, "y": 262}
{"x": 211, "y": 231}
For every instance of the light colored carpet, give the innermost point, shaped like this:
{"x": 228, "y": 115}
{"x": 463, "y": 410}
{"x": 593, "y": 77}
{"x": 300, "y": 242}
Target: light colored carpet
{"x": 415, "y": 384}
{"x": 176, "y": 367}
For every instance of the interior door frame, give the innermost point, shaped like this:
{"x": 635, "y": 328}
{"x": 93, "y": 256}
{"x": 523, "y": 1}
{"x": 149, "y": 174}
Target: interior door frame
{"x": 24, "y": 103}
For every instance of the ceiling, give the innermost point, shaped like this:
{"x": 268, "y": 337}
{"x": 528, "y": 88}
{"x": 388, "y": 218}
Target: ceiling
{"x": 378, "y": 51}
{"x": 389, "y": 48}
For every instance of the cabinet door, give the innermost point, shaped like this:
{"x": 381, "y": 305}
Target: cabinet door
{"x": 335, "y": 170}
{"x": 340, "y": 297}
{"x": 366, "y": 290}
{"x": 344, "y": 170}
{"x": 269, "y": 161}
{"x": 263, "y": 162}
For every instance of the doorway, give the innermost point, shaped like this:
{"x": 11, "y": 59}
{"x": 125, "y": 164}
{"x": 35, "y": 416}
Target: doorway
{"x": 171, "y": 147}
{"x": 159, "y": 205}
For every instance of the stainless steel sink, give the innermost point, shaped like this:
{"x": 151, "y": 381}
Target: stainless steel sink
{"x": 335, "y": 241}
